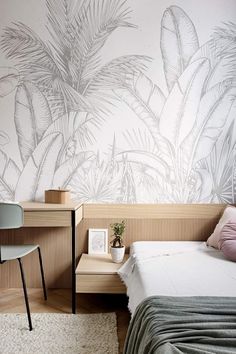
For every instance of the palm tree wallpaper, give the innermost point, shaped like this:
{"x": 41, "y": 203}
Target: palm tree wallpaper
{"x": 172, "y": 141}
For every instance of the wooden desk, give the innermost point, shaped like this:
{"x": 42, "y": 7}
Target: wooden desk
{"x": 59, "y": 217}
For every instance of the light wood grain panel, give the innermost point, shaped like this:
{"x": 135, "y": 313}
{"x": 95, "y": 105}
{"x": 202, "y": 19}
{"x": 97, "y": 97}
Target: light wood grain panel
{"x": 152, "y": 211}
{"x": 55, "y": 245}
{"x": 78, "y": 215}
{"x": 47, "y": 219}
{"x": 32, "y": 206}
{"x": 151, "y": 229}
{"x": 106, "y": 283}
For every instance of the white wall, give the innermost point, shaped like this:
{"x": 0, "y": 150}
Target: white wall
{"x": 116, "y": 112}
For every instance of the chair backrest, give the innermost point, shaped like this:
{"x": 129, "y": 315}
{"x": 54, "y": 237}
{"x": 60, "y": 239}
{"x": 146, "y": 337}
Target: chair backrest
{"x": 11, "y": 216}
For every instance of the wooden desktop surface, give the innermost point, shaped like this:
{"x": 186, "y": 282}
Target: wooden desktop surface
{"x": 38, "y": 214}
{"x": 37, "y": 206}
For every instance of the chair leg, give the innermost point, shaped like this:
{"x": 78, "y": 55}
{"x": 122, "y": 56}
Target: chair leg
{"x": 42, "y": 274}
{"x": 25, "y": 294}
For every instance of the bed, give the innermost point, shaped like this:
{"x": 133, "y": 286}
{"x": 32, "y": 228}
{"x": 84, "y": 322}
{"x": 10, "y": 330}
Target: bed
{"x": 182, "y": 297}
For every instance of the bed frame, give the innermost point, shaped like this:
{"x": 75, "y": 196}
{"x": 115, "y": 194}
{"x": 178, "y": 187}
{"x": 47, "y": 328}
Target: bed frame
{"x": 173, "y": 222}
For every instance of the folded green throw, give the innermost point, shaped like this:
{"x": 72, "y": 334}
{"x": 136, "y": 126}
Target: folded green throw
{"x": 175, "y": 325}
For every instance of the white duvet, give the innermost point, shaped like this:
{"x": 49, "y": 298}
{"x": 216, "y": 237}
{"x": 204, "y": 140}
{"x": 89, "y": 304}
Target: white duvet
{"x": 176, "y": 269}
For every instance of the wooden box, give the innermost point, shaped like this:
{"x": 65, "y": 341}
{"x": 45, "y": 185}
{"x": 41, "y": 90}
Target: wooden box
{"x": 57, "y": 196}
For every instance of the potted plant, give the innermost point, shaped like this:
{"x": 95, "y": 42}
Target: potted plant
{"x": 117, "y": 246}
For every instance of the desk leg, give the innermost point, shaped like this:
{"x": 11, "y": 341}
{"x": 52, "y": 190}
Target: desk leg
{"x": 73, "y": 266}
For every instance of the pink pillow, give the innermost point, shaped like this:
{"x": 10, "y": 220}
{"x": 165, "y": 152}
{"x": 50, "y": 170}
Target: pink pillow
{"x": 227, "y": 242}
{"x": 228, "y": 215}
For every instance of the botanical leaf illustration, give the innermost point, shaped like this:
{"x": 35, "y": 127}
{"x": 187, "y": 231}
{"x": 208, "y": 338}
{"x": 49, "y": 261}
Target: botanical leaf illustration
{"x": 37, "y": 175}
{"x": 203, "y": 187}
{"x": 77, "y": 130}
{"x": 8, "y": 80}
{"x": 140, "y": 139}
{"x": 179, "y": 113}
{"x": 95, "y": 22}
{"x": 179, "y": 42}
{"x": 220, "y": 51}
{"x": 4, "y": 138}
{"x": 115, "y": 73}
{"x": 68, "y": 169}
{"x": 9, "y": 175}
{"x": 213, "y": 113}
{"x": 66, "y": 67}
{"x": 221, "y": 163}
{"x": 146, "y": 100}
{"x": 32, "y": 117}
{"x": 99, "y": 183}
{"x": 162, "y": 169}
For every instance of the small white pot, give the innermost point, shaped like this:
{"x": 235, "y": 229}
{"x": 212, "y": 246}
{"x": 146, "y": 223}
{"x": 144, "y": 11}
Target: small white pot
{"x": 117, "y": 254}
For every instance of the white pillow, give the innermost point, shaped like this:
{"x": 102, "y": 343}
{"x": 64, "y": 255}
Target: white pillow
{"x": 228, "y": 215}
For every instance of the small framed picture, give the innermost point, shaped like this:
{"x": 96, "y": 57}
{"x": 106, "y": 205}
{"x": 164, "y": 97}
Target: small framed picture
{"x": 98, "y": 241}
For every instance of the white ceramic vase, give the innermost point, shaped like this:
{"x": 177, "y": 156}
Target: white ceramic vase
{"x": 117, "y": 254}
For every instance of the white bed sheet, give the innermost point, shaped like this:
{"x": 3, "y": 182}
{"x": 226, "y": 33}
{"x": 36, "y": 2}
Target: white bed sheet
{"x": 176, "y": 269}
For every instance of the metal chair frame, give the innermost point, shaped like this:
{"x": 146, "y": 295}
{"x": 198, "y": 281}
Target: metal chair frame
{"x": 7, "y": 211}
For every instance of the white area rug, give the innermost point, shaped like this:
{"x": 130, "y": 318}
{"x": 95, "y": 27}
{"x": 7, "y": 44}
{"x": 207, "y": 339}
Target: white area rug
{"x": 59, "y": 333}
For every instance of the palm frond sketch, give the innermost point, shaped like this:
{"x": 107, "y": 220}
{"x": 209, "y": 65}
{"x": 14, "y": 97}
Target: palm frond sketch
{"x": 9, "y": 78}
{"x": 65, "y": 68}
{"x": 183, "y": 149}
{"x": 98, "y": 183}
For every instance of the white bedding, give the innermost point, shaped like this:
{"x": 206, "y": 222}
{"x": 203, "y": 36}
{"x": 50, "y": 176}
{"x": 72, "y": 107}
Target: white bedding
{"x": 176, "y": 269}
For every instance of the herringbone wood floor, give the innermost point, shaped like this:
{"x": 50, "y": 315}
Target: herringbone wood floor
{"x": 11, "y": 300}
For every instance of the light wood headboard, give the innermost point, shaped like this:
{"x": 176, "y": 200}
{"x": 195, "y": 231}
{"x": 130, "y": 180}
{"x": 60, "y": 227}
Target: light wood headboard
{"x": 179, "y": 222}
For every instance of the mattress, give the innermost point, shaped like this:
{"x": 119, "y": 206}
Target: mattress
{"x": 176, "y": 269}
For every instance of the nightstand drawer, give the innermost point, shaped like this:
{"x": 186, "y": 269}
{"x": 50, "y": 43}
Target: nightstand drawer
{"x": 99, "y": 283}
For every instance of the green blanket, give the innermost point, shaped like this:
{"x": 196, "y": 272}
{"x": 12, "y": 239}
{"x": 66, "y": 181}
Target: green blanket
{"x": 175, "y": 325}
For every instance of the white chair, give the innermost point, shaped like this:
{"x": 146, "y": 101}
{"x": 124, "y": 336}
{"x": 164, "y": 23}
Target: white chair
{"x": 12, "y": 217}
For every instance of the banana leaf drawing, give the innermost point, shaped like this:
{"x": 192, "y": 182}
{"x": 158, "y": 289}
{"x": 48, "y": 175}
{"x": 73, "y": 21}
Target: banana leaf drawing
{"x": 179, "y": 112}
{"x": 32, "y": 117}
{"x": 37, "y": 175}
{"x": 179, "y": 41}
{"x": 9, "y": 175}
{"x": 192, "y": 117}
{"x": 9, "y": 78}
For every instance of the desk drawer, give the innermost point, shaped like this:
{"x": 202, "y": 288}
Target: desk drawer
{"x": 47, "y": 219}
{"x": 99, "y": 283}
